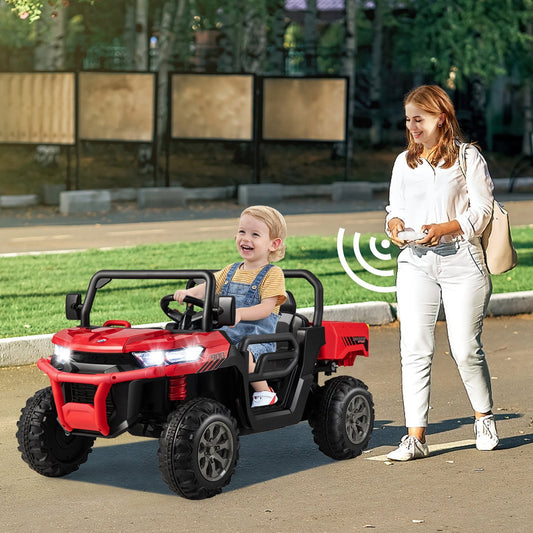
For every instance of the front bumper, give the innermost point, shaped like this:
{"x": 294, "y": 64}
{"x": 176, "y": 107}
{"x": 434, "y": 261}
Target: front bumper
{"x": 86, "y": 416}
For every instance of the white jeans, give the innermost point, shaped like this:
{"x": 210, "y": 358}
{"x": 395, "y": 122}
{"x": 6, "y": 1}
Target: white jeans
{"x": 455, "y": 273}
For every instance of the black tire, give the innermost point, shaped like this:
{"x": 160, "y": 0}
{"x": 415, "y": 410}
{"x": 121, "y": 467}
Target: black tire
{"x": 43, "y": 442}
{"x": 199, "y": 449}
{"x": 343, "y": 418}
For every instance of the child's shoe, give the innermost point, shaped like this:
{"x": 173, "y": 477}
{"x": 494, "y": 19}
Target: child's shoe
{"x": 262, "y": 398}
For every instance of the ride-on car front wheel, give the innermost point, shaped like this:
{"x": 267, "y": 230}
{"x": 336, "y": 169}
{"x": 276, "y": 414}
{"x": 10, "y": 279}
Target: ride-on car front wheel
{"x": 342, "y": 418}
{"x": 199, "y": 449}
{"x": 44, "y": 444}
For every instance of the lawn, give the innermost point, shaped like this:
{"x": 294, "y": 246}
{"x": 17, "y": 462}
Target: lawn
{"x": 33, "y": 287}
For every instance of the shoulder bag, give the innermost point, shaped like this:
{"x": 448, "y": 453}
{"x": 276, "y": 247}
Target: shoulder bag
{"x": 500, "y": 254}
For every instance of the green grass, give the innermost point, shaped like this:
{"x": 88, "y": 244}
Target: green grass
{"x": 33, "y": 287}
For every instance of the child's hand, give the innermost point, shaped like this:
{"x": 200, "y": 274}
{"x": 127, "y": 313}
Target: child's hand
{"x": 179, "y": 295}
{"x": 238, "y": 316}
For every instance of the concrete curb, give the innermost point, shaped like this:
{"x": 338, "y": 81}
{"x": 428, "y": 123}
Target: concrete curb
{"x": 18, "y": 351}
{"x": 249, "y": 193}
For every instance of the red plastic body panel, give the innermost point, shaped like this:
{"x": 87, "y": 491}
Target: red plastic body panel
{"x": 126, "y": 340}
{"x": 122, "y": 323}
{"x": 91, "y": 417}
{"x": 87, "y": 416}
{"x": 344, "y": 342}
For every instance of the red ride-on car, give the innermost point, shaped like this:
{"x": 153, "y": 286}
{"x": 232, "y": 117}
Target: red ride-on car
{"x": 186, "y": 385}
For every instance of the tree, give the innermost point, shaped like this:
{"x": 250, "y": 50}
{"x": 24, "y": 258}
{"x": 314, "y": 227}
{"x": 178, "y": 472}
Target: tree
{"x": 172, "y": 19}
{"x": 376, "y": 130}
{"x": 33, "y": 10}
{"x": 471, "y": 42}
{"x": 464, "y": 39}
{"x": 16, "y": 42}
{"x": 310, "y": 37}
{"x": 349, "y": 69}
{"x": 49, "y": 54}
{"x": 276, "y": 56}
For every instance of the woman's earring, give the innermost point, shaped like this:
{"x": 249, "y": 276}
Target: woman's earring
{"x": 440, "y": 125}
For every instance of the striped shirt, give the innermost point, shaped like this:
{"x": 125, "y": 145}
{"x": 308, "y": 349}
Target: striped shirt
{"x": 273, "y": 284}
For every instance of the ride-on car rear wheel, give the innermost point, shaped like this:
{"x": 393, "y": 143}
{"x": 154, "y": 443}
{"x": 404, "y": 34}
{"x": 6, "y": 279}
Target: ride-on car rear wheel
{"x": 44, "y": 444}
{"x": 342, "y": 417}
{"x": 199, "y": 449}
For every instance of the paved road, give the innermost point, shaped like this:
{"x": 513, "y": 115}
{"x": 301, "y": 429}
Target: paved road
{"x": 42, "y": 229}
{"x": 283, "y": 483}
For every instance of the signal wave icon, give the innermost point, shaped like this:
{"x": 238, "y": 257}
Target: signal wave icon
{"x": 385, "y": 243}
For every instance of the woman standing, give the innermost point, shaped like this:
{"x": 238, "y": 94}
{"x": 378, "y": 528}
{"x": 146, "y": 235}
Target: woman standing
{"x": 437, "y": 216}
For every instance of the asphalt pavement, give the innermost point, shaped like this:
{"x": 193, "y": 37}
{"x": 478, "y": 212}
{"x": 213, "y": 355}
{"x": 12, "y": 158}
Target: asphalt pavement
{"x": 43, "y": 228}
{"x": 284, "y": 484}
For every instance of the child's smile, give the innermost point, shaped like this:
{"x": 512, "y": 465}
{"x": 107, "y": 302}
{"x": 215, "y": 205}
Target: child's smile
{"x": 254, "y": 242}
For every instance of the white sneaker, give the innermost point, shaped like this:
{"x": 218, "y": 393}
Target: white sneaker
{"x": 262, "y": 398}
{"x": 409, "y": 448}
{"x": 486, "y": 434}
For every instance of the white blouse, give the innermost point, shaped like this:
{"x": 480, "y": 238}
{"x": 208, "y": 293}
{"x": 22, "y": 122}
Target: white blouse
{"x": 432, "y": 195}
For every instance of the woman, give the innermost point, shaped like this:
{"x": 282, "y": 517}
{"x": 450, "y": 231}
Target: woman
{"x": 437, "y": 216}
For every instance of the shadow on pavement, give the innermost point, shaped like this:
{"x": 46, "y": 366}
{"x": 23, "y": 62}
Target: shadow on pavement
{"x": 390, "y": 435}
{"x": 263, "y": 456}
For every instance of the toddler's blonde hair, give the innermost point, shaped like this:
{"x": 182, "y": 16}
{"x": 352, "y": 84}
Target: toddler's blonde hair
{"x": 275, "y": 223}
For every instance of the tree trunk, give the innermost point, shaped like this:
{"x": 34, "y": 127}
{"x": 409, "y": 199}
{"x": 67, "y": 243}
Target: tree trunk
{"x": 129, "y": 33}
{"x": 141, "y": 35}
{"x": 172, "y": 15}
{"x": 348, "y": 68}
{"x": 140, "y": 60}
{"x": 527, "y": 142}
{"x": 254, "y": 42}
{"x": 376, "y": 130}
{"x": 49, "y": 54}
{"x": 311, "y": 37}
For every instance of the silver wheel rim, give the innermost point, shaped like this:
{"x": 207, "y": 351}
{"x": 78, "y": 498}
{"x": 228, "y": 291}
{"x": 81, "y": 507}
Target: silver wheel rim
{"x": 215, "y": 451}
{"x": 357, "y": 419}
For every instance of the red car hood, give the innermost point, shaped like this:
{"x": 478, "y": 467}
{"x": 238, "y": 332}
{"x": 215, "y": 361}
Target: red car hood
{"x": 119, "y": 340}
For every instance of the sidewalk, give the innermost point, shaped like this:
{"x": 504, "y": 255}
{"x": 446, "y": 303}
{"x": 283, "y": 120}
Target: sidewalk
{"x": 38, "y": 229}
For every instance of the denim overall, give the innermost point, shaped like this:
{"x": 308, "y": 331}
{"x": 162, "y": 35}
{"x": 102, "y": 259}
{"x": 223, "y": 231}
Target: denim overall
{"x": 246, "y": 296}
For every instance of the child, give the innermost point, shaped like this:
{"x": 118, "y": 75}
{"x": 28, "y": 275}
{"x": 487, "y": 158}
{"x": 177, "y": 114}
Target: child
{"x": 258, "y": 286}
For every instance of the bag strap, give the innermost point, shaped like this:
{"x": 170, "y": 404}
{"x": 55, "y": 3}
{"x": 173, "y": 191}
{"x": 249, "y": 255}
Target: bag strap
{"x": 462, "y": 165}
{"x": 462, "y": 157}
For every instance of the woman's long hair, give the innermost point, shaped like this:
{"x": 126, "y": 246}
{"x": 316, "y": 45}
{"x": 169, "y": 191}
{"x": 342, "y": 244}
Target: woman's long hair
{"x": 434, "y": 100}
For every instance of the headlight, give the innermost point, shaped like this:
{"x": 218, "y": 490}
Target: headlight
{"x": 61, "y": 354}
{"x": 155, "y": 358}
{"x": 169, "y": 357}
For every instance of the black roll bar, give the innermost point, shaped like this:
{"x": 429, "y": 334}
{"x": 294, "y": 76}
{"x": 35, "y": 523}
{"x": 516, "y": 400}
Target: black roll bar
{"x": 103, "y": 277}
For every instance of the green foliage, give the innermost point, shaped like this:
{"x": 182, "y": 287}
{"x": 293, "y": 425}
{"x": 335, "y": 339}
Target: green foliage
{"x": 330, "y": 47}
{"x": 33, "y": 287}
{"x": 14, "y": 32}
{"x": 461, "y": 40}
{"x": 32, "y": 10}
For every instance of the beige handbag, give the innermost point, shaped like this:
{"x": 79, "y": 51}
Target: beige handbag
{"x": 500, "y": 254}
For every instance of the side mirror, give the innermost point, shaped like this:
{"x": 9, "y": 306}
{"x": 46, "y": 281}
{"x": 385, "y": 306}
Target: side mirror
{"x": 225, "y": 310}
{"x": 73, "y": 306}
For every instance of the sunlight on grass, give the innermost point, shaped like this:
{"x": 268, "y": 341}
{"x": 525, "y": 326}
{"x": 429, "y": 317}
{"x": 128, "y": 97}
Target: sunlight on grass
{"x": 33, "y": 287}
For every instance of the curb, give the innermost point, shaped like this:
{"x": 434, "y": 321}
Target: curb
{"x": 248, "y": 192}
{"x": 17, "y": 351}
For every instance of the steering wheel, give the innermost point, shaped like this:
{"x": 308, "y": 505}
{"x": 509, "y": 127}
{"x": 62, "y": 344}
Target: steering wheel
{"x": 185, "y": 319}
